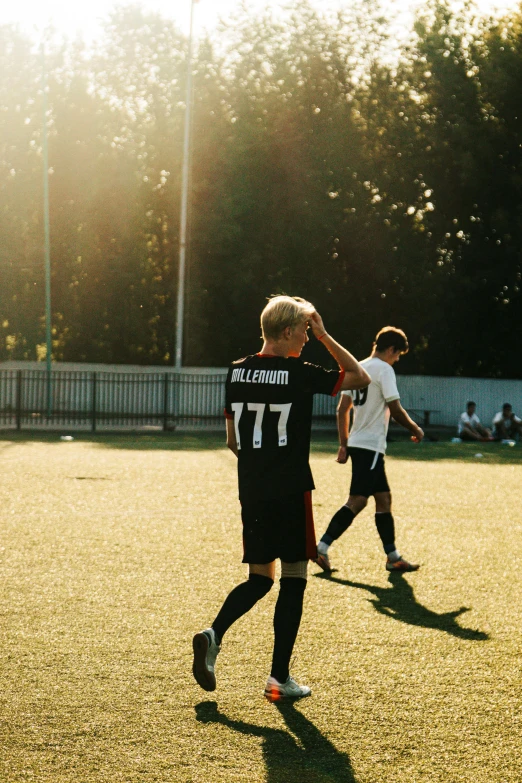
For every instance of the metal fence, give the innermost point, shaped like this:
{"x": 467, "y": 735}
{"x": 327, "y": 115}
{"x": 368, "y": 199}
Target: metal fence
{"x": 97, "y": 401}
{"x": 167, "y": 400}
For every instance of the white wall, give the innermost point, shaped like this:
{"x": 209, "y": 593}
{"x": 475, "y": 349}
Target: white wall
{"x": 450, "y": 395}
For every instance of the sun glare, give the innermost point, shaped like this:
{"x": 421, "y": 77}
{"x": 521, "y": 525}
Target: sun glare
{"x": 73, "y": 19}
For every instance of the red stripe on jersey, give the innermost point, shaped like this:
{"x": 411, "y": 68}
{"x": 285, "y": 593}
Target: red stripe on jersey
{"x": 337, "y": 386}
{"x": 269, "y": 356}
{"x": 311, "y": 547}
{"x": 228, "y": 415}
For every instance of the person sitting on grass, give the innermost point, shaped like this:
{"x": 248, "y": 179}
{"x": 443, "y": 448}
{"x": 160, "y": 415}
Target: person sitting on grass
{"x": 506, "y": 426}
{"x": 470, "y": 427}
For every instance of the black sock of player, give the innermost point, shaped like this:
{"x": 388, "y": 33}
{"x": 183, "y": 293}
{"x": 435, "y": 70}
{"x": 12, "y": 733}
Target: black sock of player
{"x": 287, "y": 618}
{"x": 386, "y": 530}
{"x": 341, "y": 521}
{"x": 240, "y": 601}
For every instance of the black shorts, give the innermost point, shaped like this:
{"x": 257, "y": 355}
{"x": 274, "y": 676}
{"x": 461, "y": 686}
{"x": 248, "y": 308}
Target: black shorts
{"x": 368, "y": 473}
{"x": 282, "y": 528}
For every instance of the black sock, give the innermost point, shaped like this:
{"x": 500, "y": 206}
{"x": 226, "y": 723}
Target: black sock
{"x": 287, "y": 618}
{"x": 386, "y": 530}
{"x": 341, "y": 521}
{"x": 240, "y": 601}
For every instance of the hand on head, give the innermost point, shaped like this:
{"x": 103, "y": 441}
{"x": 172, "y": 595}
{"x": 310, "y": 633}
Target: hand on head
{"x": 316, "y": 324}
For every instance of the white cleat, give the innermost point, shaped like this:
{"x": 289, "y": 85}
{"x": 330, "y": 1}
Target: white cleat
{"x": 206, "y": 650}
{"x": 277, "y": 691}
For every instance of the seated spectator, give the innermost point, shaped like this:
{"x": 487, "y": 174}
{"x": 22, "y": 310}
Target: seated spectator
{"x": 506, "y": 426}
{"x": 470, "y": 427}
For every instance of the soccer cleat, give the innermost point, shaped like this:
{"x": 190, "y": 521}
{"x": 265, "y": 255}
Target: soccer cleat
{"x": 323, "y": 562}
{"x": 401, "y": 565}
{"x": 277, "y": 691}
{"x": 206, "y": 649}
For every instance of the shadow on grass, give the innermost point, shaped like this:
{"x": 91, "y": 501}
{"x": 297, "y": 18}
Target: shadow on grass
{"x": 400, "y": 447}
{"x": 322, "y": 443}
{"x": 492, "y": 453}
{"x": 306, "y": 756}
{"x": 168, "y": 441}
{"x": 399, "y": 603}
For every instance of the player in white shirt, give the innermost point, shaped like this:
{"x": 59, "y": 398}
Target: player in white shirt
{"x": 469, "y": 427}
{"x": 506, "y": 425}
{"x": 367, "y": 446}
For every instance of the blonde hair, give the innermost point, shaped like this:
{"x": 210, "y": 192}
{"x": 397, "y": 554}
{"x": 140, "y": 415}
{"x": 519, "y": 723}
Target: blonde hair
{"x": 283, "y": 311}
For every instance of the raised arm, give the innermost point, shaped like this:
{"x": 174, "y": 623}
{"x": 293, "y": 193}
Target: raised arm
{"x": 356, "y": 376}
{"x": 343, "y": 426}
{"x": 401, "y": 417}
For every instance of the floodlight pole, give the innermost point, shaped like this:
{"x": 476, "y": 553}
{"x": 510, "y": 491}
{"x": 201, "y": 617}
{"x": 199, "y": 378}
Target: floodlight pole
{"x": 47, "y": 239}
{"x": 185, "y": 177}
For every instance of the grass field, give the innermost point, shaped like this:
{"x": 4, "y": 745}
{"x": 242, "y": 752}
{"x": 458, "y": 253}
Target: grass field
{"x": 115, "y": 550}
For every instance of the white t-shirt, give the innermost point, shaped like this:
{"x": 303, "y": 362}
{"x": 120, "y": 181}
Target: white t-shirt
{"x": 499, "y": 419}
{"x": 371, "y": 412}
{"x": 465, "y": 418}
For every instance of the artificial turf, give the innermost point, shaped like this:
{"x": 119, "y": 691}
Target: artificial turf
{"x": 116, "y": 549}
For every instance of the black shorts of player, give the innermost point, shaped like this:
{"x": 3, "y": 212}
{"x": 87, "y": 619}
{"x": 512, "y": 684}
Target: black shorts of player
{"x": 282, "y": 528}
{"x": 368, "y": 473}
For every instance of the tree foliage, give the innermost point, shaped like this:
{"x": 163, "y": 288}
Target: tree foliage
{"x": 385, "y": 193}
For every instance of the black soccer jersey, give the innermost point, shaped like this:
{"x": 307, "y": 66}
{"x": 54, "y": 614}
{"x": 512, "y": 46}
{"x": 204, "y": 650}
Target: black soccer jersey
{"x": 270, "y": 399}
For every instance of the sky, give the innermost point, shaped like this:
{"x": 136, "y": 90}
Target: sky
{"x": 70, "y": 17}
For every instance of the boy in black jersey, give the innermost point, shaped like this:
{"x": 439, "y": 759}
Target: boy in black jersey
{"x": 269, "y": 399}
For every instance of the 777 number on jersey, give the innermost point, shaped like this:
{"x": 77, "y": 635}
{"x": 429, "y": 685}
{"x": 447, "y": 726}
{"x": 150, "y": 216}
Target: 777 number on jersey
{"x": 259, "y": 408}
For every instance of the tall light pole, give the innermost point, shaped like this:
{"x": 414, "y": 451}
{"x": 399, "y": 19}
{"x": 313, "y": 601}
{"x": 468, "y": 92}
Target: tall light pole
{"x": 47, "y": 236}
{"x": 185, "y": 179}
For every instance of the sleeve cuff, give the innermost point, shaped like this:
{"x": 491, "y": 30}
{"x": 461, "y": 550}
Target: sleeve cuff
{"x": 393, "y": 398}
{"x": 337, "y": 387}
{"x": 228, "y": 415}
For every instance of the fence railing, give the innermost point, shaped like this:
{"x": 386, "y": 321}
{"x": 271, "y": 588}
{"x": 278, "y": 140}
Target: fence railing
{"x": 30, "y": 399}
{"x": 102, "y": 399}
